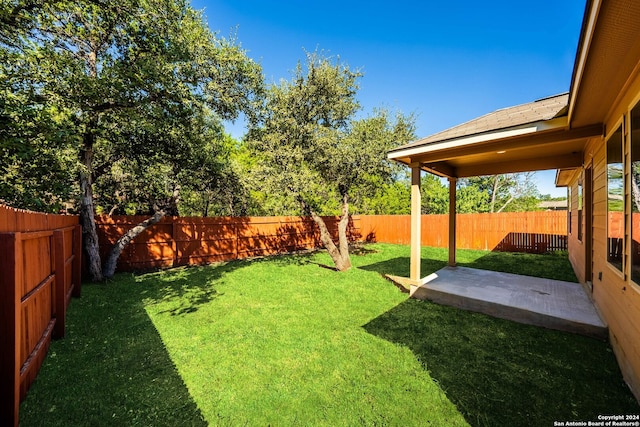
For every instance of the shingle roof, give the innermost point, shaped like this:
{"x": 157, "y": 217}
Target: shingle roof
{"x": 540, "y": 110}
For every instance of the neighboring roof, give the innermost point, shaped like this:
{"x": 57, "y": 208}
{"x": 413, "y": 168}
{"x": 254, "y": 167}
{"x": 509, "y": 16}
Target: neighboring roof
{"x": 554, "y": 204}
{"x": 537, "y": 111}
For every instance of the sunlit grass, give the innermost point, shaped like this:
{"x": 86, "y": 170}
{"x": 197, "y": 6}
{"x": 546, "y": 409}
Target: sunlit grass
{"x": 283, "y": 341}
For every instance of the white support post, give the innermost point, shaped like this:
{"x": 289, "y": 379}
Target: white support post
{"x": 416, "y": 208}
{"x": 452, "y": 221}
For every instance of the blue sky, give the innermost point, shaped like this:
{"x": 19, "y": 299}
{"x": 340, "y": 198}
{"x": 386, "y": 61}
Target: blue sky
{"x": 447, "y": 62}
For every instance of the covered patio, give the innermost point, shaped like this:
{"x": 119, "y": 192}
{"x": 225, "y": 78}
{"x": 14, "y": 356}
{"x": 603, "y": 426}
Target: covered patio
{"x": 528, "y": 137}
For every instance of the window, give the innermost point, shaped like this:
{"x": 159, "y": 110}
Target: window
{"x": 569, "y": 207}
{"x": 615, "y": 200}
{"x": 635, "y": 193}
{"x": 580, "y": 209}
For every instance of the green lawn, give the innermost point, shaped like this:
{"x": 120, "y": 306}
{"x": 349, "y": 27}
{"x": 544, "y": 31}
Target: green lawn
{"x": 282, "y": 341}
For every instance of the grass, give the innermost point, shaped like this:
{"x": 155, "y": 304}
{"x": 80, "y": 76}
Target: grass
{"x": 281, "y": 341}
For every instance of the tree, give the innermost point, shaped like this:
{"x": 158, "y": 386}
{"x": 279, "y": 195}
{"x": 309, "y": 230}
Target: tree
{"x": 498, "y": 193}
{"x": 124, "y": 80}
{"x": 312, "y": 147}
{"x": 435, "y": 196}
{"x": 215, "y": 187}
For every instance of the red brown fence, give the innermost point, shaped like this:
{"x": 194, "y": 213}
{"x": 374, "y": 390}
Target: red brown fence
{"x": 39, "y": 271}
{"x": 510, "y": 232}
{"x": 178, "y": 241}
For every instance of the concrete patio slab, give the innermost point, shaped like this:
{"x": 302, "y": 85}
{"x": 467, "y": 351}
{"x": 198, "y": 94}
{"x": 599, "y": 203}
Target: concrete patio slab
{"x": 548, "y": 303}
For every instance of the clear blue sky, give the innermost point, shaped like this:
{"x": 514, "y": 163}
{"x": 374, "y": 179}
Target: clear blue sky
{"x": 445, "y": 61}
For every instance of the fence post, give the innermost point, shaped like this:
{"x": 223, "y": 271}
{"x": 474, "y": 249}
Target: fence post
{"x": 60, "y": 281}
{"x": 77, "y": 261}
{"x": 234, "y": 222}
{"x": 174, "y": 243}
{"x": 10, "y": 282}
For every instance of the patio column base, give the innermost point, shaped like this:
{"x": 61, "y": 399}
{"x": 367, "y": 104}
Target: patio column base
{"x": 410, "y": 284}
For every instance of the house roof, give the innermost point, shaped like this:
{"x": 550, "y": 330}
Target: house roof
{"x": 550, "y": 133}
{"x": 532, "y": 136}
{"x": 532, "y": 112}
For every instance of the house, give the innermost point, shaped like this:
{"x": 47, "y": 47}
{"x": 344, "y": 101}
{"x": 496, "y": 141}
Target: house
{"x": 591, "y": 136}
{"x": 554, "y": 205}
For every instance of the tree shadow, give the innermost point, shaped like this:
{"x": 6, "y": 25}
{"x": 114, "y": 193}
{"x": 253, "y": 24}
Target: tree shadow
{"x": 184, "y": 289}
{"x": 112, "y": 368}
{"x": 502, "y": 373}
{"x": 399, "y": 266}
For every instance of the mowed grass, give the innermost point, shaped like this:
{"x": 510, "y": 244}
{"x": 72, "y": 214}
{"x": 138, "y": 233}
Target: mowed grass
{"x": 284, "y": 341}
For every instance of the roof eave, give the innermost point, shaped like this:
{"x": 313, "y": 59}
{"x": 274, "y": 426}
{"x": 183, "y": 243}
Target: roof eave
{"x": 592, "y": 8}
{"x": 408, "y": 151}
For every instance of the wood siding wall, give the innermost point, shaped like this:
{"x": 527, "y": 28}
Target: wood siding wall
{"x": 39, "y": 271}
{"x": 185, "y": 241}
{"x": 616, "y": 296}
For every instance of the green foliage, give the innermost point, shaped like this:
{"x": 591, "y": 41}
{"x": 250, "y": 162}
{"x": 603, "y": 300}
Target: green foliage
{"x": 471, "y": 199}
{"x": 386, "y": 199}
{"x": 311, "y": 148}
{"x": 142, "y": 84}
{"x": 435, "y": 195}
{"x": 498, "y": 193}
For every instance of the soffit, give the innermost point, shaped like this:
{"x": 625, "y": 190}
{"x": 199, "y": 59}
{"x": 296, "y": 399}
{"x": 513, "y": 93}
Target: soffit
{"x": 614, "y": 53}
{"x": 564, "y": 177}
{"x": 552, "y": 149}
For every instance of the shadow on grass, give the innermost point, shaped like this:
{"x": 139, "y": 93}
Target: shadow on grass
{"x": 502, "y": 373}
{"x": 554, "y": 265}
{"x": 188, "y": 287}
{"x": 550, "y": 266}
{"x": 400, "y": 266}
{"x": 112, "y": 368}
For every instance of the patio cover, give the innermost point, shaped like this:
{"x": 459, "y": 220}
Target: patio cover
{"x": 528, "y": 137}
{"x": 550, "y": 133}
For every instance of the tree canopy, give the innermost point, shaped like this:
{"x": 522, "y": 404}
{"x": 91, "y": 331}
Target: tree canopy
{"x": 129, "y": 90}
{"x": 312, "y": 146}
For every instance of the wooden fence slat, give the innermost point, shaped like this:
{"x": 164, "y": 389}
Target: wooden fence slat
{"x": 60, "y": 295}
{"x": 36, "y": 266}
{"x": 185, "y": 241}
{"x": 10, "y": 282}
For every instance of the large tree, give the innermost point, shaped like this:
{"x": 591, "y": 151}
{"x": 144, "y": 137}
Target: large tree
{"x": 119, "y": 83}
{"x": 499, "y": 193}
{"x": 313, "y": 148}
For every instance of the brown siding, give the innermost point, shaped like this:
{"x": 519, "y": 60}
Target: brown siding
{"x": 615, "y": 295}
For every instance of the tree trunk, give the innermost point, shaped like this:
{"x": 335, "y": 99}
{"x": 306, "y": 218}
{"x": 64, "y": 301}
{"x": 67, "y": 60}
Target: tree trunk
{"x": 339, "y": 255}
{"x": 343, "y": 239}
{"x": 635, "y": 191}
{"x": 493, "y": 193}
{"x": 112, "y": 260}
{"x": 505, "y": 204}
{"x": 87, "y": 209}
{"x": 87, "y": 216}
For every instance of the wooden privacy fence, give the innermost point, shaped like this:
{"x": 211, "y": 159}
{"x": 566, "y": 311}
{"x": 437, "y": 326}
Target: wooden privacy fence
{"x": 39, "y": 271}
{"x": 178, "y": 241}
{"x": 536, "y": 232}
